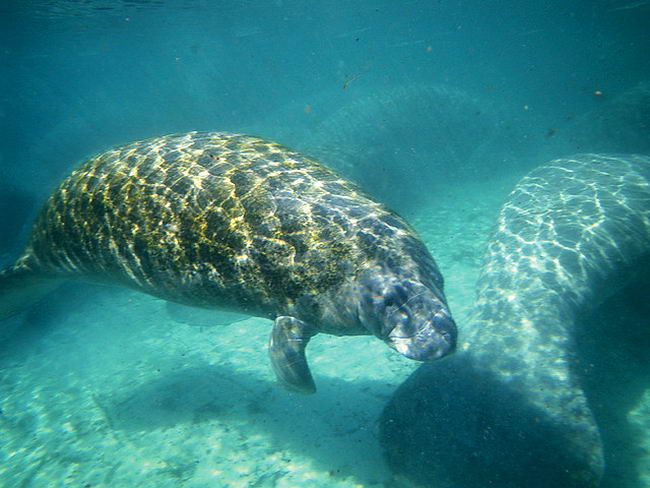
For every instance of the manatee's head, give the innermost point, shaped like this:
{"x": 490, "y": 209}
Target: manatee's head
{"x": 410, "y": 317}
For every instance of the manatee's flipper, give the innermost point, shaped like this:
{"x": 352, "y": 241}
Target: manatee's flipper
{"x": 289, "y": 339}
{"x": 21, "y": 288}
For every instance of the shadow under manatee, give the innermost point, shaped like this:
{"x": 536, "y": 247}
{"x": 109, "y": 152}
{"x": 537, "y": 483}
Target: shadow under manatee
{"x": 462, "y": 417}
{"x": 192, "y": 395}
{"x": 613, "y": 358}
{"x": 336, "y": 427}
{"x": 484, "y": 433}
{"x": 201, "y": 317}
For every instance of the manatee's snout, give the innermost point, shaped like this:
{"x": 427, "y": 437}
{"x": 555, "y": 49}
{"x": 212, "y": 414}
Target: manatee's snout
{"x": 434, "y": 339}
{"x": 410, "y": 317}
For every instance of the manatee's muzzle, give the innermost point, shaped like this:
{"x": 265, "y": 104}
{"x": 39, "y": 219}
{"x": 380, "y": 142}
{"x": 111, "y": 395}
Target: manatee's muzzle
{"x": 435, "y": 340}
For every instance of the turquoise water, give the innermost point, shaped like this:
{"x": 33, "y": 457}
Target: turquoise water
{"x": 437, "y": 108}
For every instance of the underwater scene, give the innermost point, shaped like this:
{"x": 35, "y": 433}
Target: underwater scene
{"x": 352, "y": 244}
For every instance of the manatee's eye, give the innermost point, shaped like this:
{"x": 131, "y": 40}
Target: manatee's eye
{"x": 396, "y": 297}
{"x": 390, "y": 300}
{"x": 403, "y": 321}
{"x": 446, "y": 336}
{"x": 401, "y": 317}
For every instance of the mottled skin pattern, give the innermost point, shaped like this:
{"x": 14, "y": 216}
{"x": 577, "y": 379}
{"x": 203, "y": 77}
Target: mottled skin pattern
{"x": 232, "y": 221}
{"x": 571, "y": 234}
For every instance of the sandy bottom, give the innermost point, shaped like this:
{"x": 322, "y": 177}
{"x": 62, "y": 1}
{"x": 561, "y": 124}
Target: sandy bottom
{"x": 109, "y": 388}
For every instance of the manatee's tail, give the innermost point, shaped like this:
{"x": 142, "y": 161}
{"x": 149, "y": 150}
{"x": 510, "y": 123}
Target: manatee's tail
{"x": 20, "y": 288}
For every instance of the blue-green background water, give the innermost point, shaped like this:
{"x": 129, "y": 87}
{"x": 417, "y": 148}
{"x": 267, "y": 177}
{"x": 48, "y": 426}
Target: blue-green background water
{"x": 80, "y": 76}
{"x": 437, "y": 107}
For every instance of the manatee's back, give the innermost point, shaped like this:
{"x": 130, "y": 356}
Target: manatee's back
{"x": 575, "y": 228}
{"x": 209, "y": 219}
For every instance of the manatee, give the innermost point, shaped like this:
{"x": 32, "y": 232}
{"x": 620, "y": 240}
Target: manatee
{"x": 510, "y": 407}
{"x": 619, "y": 123}
{"x": 427, "y": 134}
{"x": 242, "y": 224}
